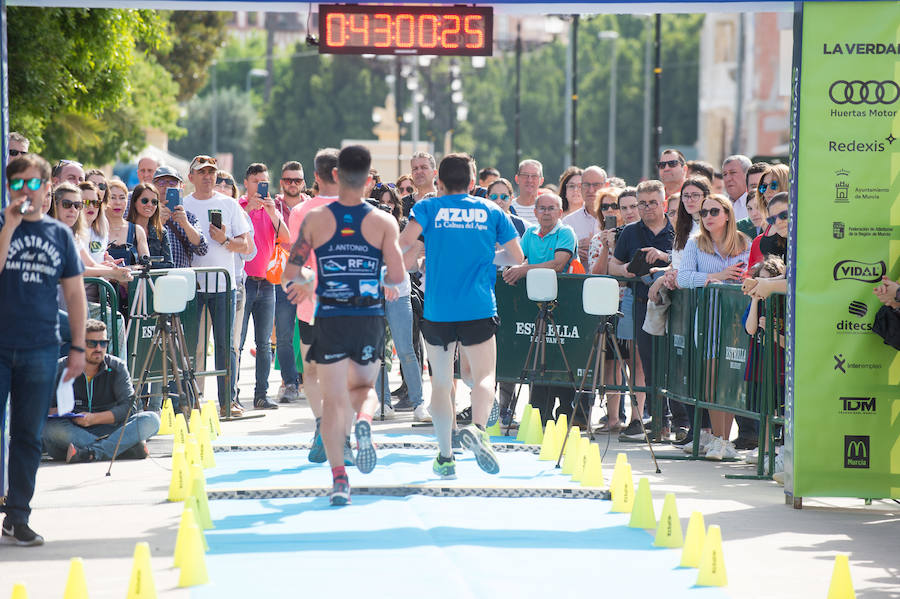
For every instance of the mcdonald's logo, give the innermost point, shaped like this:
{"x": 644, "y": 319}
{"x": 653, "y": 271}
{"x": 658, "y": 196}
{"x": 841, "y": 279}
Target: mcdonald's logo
{"x": 857, "y": 451}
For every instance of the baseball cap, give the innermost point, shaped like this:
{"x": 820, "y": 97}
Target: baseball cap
{"x": 167, "y": 171}
{"x": 202, "y": 161}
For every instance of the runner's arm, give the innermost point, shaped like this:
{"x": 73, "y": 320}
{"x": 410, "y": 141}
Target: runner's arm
{"x": 393, "y": 258}
{"x": 300, "y": 252}
{"x": 410, "y": 235}
{"x": 509, "y": 254}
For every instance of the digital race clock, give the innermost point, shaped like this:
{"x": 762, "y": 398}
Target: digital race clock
{"x": 453, "y": 30}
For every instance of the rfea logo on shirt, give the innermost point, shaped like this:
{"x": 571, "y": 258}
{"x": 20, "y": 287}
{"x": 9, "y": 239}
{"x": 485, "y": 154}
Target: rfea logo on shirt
{"x": 461, "y": 218}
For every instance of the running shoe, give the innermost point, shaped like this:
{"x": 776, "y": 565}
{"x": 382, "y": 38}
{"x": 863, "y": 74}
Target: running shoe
{"x": 479, "y": 442}
{"x": 495, "y": 414}
{"x": 454, "y": 441}
{"x": 365, "y": 451}
{"x": 20, "y": 534}
{"x": 465, "y": 416}
{"x": 317, "y": 451}
{"x": 447, "y": 470}
{"x": 340, "y": 491}
{"x": 349, "y": 460}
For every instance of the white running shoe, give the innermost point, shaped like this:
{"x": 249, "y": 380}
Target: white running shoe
{"x": 420, "y": 413}
{"x": 716, "y": 449}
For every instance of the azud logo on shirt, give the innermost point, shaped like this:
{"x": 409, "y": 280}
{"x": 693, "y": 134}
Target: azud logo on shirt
{"x": 461, "y": 218}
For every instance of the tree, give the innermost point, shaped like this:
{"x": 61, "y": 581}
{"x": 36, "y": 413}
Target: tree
{"x": 316, "y": 102}
{"x": 196, "y": 37}
{"x": 236, "y": 120}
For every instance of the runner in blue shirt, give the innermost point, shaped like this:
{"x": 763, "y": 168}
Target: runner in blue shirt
{"x": 351, "y": 241}
{"x": 462, "y": 233}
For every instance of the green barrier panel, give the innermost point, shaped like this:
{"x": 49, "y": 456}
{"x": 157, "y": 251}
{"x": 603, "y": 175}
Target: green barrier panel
{"x": 732, "y": 348}
{"x": 574, "y": 328}
{"x": 107, "y": 310}
{"x": 680, "y": 335}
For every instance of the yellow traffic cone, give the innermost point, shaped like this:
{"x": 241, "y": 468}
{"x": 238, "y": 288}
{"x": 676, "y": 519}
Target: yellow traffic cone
{"x": 535, "y": 428}
{"x": 195, "y": 422}
{"x": 192, "y": 450}
{"x": 642, "y": 514}
{"x": 621, "y": 459}
{"x": 562, "y": 424}
{"x": 712, "y": 562}
{"x": 198, "y": 491}
{"x": 693, "y": 541}
{"x": 193, "y": 568}
{"x": 192, "y": 503}
{"x": 166, "y": 419}
{"x": 207, "y": 459}
{"x": 141, "y": 585}
{"x": 181, "y": 478}
{"x": 623, "y": 493}
{"x": 76, "y": 585}
{"x": 668, "y": 533}
{"x": 19, "y": 591}
{"x": 571, "y": 449}
{"x": 548, "y": 442}
{"x": 841, "y": 586}
{"x": 206, "y": 414}
{"x": 494, "y": 431}
{"x": 214, "y": 410}
{"x": 523, "y": 426}
{"x": 593, "y": 469}
{"x": 584, "y": 445}
{"x": 187, "y": 521}
{"x": 180, "y": 434}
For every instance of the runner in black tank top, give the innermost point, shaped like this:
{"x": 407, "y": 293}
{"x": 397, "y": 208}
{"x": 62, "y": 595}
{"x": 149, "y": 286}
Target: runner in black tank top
{"x": 354, "y": 245}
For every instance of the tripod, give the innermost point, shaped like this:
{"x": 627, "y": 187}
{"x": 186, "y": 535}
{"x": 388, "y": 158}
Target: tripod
{"x": 140, "y": 308}
{"x": 603, "y": 334}
{"x": 537, "y": 351}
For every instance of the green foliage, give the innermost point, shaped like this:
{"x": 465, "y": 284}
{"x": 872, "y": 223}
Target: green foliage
{"x": 236, "y": 122}
{"x": 196, "y": 38}
{"x": 316, "y": 102}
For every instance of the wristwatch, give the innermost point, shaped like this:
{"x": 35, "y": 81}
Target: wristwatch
{"x": 227, "y": 242}
{"x": 897, "y": 295}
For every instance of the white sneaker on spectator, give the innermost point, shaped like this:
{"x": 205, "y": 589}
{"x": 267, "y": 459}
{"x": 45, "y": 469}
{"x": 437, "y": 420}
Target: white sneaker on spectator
{"x": 716, "y": 449}
{"x": 729, "y": 451}
{"x": 420, "y": 413}
{"x": 706, "y": 438}
{"x": 752, "y": 456}
{"x": 388, "y": 411}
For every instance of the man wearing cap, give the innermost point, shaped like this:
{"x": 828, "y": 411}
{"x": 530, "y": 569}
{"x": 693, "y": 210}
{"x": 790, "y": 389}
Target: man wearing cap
{"x": 210, "y": 206}
{"x": 185, "y": 239}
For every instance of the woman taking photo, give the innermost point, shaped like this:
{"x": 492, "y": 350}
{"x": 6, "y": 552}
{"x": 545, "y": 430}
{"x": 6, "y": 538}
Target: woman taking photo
{"x": 718, "y": 254}
{"x": 774, "y": 181}
{"x": 607, "y": 215}
{"x": 144, "y": 212}
{"x": 127, "y": 242}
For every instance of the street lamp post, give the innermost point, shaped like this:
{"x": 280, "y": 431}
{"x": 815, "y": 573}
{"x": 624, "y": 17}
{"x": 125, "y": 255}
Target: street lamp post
{"x": 255, "y": 73}
{"x": 613, "y": 36}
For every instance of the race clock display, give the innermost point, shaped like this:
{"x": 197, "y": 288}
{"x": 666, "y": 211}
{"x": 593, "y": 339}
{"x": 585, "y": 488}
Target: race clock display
{"x": 451, "y": 31}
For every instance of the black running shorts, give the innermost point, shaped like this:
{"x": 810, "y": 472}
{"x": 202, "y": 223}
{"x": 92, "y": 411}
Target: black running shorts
{"x": 467, "y": 332}
{"x": 307, "y": 333}
{"x": 359, "y": 338}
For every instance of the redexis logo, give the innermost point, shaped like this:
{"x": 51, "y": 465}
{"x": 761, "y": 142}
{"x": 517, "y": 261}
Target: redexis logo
{"x": 857, "y": 451}
{"x": 853, "y": 270}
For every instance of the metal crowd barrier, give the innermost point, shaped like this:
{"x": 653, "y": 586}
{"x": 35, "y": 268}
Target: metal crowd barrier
{"x": 107, "y": 310}
{"x": 195, "y": 320}
{"x": 700, "y": 361}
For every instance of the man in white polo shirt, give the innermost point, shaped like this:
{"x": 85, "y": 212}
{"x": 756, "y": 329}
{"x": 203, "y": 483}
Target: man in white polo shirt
{"x": 233, "y": 236}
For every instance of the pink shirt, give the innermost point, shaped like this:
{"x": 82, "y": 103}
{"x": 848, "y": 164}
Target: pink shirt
{"x": 263, "y": 237}
{"x": 307, "y": 307}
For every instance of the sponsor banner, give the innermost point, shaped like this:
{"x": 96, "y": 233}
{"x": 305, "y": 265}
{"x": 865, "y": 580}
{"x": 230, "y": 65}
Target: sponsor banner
{"x": 844, "y": 398}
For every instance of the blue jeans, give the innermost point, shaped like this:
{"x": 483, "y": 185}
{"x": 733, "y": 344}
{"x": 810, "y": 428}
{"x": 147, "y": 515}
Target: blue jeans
{"x": 101, "y": 438}
{"x": 259, "y": 301}
{"x": 399, "y": 316}
{"x": 285, "y": 323}
{"x": 29, "y": 378}
{"x": 221, "y": 312}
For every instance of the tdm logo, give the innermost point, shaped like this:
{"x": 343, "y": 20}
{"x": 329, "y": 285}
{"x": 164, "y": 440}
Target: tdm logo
{"x": 853, "y": 270}
{"x": 857, "y": 452}
{"x": 857, "y": 405}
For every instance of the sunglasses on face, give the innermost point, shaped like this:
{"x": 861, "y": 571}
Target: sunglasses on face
{"x": 783, "y": 215}
{"x": 499, "y": 196}
{"x": 607, "y": 207}
{"x": 288, "y": 180}
{"x": 408, "y": 189}
{"x": 146, "y": 201}
{"x": 224, "y": 181}
{"x": 646, "y": 205}
{"x": 668, "y": 163}
{"x": 102, "y": 186}
{"x": 17, "y": 153}
{"x": 92, "y": 343}
{"x": 773, "y": 185}
{"x": 33, "y": 184}
{"x": 70, "y": 204}
{"x": 710, "y": 212}
{"x": 97, "y": 203}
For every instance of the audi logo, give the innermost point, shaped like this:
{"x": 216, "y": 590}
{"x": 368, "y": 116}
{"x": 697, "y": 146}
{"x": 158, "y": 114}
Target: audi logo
{"x": 864, "y": 92}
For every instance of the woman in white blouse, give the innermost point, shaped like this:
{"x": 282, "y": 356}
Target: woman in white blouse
{"x": 718, "y": 254}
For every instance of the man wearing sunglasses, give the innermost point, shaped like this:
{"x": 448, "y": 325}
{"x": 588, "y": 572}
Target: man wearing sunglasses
{"x": 17, "y": 144}
{"x": 37, "y": 255}
{"x": 582, "y": 221}
{"x": 185, "y": 239}
{"x": 104, "y": 404}
{"x": 424, "y": 171}
{"x": 672, "y": 170}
